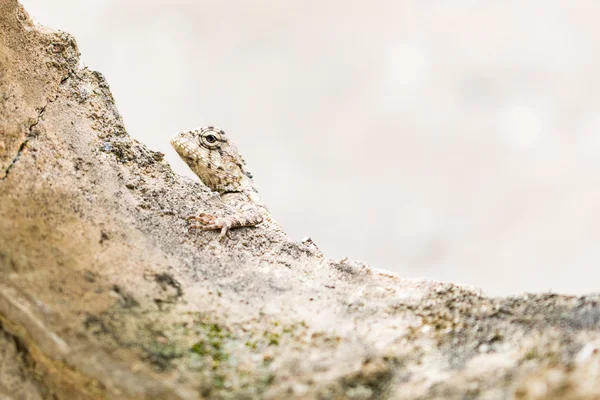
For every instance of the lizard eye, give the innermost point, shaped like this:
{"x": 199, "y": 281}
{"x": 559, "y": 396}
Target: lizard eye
{"x": 211, "y": 137}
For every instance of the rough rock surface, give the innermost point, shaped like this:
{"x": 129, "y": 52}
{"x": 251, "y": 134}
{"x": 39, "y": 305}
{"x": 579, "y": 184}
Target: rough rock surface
{"x": 105, "y": 294}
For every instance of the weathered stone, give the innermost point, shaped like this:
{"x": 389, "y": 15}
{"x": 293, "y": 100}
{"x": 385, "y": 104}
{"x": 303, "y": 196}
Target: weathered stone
{"x": 105, "y": 294}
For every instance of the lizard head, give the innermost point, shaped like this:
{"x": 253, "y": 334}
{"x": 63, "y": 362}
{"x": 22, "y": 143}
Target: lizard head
{"x": 213, "y": 158}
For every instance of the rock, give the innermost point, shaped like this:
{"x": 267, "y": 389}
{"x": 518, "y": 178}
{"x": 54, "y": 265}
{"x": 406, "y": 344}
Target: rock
{"x": 105, "y": 294}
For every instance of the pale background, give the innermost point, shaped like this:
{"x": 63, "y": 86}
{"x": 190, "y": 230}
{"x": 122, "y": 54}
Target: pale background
{"x": 453, "y": 140}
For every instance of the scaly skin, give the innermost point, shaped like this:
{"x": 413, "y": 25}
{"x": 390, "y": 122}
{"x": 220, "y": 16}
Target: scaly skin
{"x": 217, "y": 163}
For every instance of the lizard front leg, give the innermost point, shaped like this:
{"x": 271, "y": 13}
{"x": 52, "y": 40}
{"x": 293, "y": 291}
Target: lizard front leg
{"x": 238, "y": 213}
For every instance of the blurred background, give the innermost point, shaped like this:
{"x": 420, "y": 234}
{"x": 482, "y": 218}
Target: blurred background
{"x": 452, "y": 140}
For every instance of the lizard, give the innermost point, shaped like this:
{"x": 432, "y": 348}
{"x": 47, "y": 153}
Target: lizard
{"x": 217, "y": 162}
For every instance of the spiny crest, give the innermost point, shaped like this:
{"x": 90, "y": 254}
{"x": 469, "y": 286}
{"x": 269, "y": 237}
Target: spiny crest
{"x": 211, "y": 156}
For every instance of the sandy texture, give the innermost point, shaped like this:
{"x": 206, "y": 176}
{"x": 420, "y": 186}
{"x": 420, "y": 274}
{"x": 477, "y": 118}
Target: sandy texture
{"x": 105, "y": 294}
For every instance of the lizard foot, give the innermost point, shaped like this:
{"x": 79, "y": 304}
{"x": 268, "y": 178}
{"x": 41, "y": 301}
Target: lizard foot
{"x": 210, "y": 222}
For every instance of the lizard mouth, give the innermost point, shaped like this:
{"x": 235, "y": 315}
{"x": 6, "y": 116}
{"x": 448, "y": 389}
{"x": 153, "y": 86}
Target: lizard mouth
{"x": 178, "y": 144}
{"x": 176, "y": 141}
